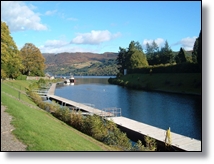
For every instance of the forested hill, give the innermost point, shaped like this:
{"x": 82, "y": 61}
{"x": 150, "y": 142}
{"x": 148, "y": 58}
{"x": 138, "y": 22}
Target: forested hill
{"x": 84, "y": 63}
{"x": 81, "y": 63}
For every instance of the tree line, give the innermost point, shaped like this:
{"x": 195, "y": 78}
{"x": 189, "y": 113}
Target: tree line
{"x": 134, "y": 57}
{"x": 28, "y": 61}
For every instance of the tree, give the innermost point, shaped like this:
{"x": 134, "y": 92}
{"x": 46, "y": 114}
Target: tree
{"x": 155, "y": 47}
{"x": 181, "y": 57}
{"x": 194, "y": 52}
{"x": 132, "y": 57}
{"x": 121, "y": 59}
{"x": 197, "y": 50}
{"x": 32, "y": 60}
{"x": 135, "y": 56}
{"x": 166, "y": 55}
{"x": 152, "y": 53}
{"x": 10, "y": 59}
{"x": 137, "y": 60}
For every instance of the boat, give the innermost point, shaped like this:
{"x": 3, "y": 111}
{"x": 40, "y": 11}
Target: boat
{"x": 70, "y": 80}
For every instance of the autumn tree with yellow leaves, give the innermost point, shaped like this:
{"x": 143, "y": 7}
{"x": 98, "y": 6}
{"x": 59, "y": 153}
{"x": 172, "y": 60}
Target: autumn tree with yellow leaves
{"x": 10, "y": 59}
{"x": 28, "y": 61}
{"x": 32, "y": 60}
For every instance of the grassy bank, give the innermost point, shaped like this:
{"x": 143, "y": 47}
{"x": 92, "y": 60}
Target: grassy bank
{"x": 39, "y": 130}
{"x": 187, "y": 83}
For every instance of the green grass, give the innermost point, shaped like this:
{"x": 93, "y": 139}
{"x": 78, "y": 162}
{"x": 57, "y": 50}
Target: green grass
{"x": 40, "y": 131}
{"x": 15, "y": 92}
{"x": 189, "y": 83}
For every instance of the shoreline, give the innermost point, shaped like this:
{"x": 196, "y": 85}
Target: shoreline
{"x": 183, "y": 83}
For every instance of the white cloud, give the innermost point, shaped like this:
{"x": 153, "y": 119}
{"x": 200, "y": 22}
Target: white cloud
{"x": 47, "y": 49}
{"x": 19, "y": 16}
{"x": 58, "y": 46}
{"x": 50, "y": 12}
{"x": 159, "y": 41}
{"x": 187, "y": 43}
{"x": 55, "y": 43}
{"x": 94, "y": 37}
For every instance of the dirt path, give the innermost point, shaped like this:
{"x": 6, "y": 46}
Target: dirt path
{"x": 8, "y": 141}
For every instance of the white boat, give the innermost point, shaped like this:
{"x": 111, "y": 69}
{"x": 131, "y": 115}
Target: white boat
{"x": 70, "y": 80}
{"x": 66, "y": 81}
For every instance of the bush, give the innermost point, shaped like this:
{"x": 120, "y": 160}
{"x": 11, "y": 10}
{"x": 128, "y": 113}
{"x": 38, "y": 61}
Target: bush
{"x": 21, "y": 77}
{"x": 63, "y": 113}
{"x": 150, "y": 143}
{"x": 138, "y": 146}
{"x": 76, "y": 120}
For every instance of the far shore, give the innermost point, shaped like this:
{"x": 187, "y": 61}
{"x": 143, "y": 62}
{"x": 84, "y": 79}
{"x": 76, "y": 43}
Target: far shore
{"x": 180, "y": 83}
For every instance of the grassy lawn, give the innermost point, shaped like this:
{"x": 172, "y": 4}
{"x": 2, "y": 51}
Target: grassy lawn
{"x": 40, "y": 131}
{"x": 6, "y": 87}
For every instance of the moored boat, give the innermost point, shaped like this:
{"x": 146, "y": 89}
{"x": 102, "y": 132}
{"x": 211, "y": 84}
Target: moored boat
{"x": 70, "y": 80}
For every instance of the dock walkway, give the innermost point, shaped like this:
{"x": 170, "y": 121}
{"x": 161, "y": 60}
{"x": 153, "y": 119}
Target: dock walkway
{"x": 80, "y": 106}
{"x": 52, "y": 89}
{"x": 177, "y": 140}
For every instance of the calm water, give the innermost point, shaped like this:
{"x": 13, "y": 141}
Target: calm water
{"x": 182, "y": 113}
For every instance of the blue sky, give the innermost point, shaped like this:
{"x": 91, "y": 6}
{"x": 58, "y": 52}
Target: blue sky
{"x": 103, "y": 26}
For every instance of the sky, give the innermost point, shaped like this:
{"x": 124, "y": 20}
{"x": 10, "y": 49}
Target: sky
{"x": 104, "y": 26}
{"x": 35, "y": 15}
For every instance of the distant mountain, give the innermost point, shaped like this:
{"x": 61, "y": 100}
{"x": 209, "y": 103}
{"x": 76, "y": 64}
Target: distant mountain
{"x": 75, "y": 58}
{"x": 80, "y": 63}
{"x": 85, "y": 63}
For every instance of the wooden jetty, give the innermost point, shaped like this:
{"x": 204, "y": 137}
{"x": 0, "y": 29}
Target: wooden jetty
{"x": 51, "y": 89}
{"x": 80, "y": 106}
{"x": 179, "y": 142}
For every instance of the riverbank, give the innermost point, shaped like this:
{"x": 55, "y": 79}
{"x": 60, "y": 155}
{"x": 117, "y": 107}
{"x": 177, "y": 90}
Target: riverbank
{"x": 182, "y": 83}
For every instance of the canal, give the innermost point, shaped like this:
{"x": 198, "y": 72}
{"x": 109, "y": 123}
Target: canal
{"x": 182, "y": 113}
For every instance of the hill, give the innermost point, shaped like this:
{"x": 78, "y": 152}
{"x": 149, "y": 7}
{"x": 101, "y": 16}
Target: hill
{"x": 85, "y": 63}
{"x": 81, "y": 63}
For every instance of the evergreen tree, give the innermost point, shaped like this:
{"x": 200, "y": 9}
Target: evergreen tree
{"x": 197, "y": 50}
{"x": 166, "y": 55}
{"x": 181, "y": 57}
{"x": 10, "y": 59}
{"x": 152, "y": 53}
{"x": 32, "y": 60}
{"x": 155, "y": 47}
{"x": 121, "y": 59}
{"x": 194, "y": 52}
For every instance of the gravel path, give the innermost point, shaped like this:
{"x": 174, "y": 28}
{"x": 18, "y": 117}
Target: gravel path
{"x": 8, "y": 141}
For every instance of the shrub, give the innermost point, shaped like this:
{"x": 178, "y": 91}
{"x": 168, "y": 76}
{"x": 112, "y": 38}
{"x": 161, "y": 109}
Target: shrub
{"x": 22, "y": 77}
{"x": 63, "y": 113}
{"x": 150, "y": 143}
{"x": 138, "y": 146}
{"x": 76, "y": 120}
